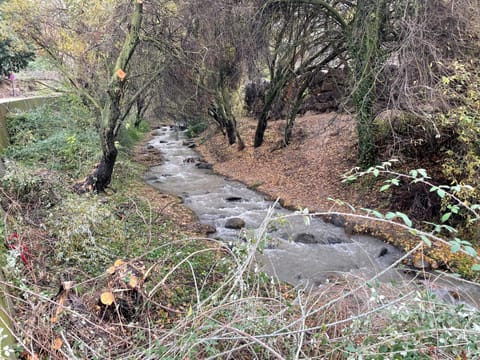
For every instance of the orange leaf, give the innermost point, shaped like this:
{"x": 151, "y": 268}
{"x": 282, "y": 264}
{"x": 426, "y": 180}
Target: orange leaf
{"x": 121, "y": 74}
{"x": 118, "y": 262}
{"x": 107, "y": 298}
{"x": 33, "y": 356}
{"x": 57, "y": 344}
{"x": 133, "y": 282}
{"x": 111, "y": 270}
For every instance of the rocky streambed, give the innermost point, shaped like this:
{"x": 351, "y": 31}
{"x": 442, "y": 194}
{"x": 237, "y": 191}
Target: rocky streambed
{"x": 297, "y": 250}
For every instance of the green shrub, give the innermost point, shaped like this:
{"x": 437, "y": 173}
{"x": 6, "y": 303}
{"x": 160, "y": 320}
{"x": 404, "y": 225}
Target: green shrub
{"x": 129, "y": 134}
{"x": 27, "y": 185}
{"x": 196, "y": 127}
{"x": 58, "y": 136}
{"x": 424, "y": 328}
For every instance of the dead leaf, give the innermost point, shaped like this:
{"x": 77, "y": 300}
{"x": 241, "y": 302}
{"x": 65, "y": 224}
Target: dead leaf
{"x": 111, "y": 270}
{"x": 118, "y": 263}
{"x": 33, "y": 356}
{"x": 107, "y": 298}
{"x": 57, "y": 344}
{"x": 133, "y": 282}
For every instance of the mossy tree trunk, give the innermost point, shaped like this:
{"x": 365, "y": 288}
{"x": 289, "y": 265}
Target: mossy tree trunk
{"x": 111, "y": 115}
{"x": 271, "y": 96}
{"x": 222, "y": 113}
{"x": 367, "y": 58}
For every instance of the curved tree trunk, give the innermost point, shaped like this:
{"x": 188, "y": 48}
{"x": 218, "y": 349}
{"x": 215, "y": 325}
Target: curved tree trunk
{"x": 111, "y": 115}
{"x": 271, "y": 96}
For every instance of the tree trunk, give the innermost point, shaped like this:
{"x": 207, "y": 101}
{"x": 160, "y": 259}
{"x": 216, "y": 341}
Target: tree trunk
{"x": 111, "y": 116}
{"x": 108, "y": 134}
{"x": 241, "y": 144}
{"x": 140, "y": 111}
{"x": 366, "y": 54}
{"x": 230, "y": 127}
{"x": 270, "y": 97}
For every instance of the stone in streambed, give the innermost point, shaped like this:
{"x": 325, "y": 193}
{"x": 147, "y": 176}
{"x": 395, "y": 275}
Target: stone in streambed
{"x": 338, "y": 220}
{"x": 305, "y": 238}
{"x": 233, "y": 198}
{"x": 235, "y": 223}
{"x": 203, "y": 165}
{"x": 383, "y": 252}
{"x": 334, "y": 240}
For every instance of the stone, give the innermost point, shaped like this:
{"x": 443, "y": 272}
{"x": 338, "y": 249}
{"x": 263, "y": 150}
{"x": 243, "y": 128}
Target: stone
{"x": 383, "y": 252}
{"x": 338, "y": 220}
{"x": 206, "y": 228}
{"x": 150, "y": 147}
{"x": 305, "y": 238}
{"x": 235, "y": 223}
{"x": 334, "y": 240}
{"x": 192, "y": 146}
{"x": 421, "y": 264}
{"x": 157, "y": 132}
{"x": 233, "y": 198}
{"x": 203, "y": 165}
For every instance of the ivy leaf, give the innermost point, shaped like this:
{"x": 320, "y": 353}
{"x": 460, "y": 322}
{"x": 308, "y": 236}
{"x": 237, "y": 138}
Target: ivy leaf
{"x": 441, "y": 193}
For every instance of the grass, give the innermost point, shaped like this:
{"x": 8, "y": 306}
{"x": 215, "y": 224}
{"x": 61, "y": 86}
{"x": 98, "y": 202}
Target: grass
{"x": 177, "y": 295}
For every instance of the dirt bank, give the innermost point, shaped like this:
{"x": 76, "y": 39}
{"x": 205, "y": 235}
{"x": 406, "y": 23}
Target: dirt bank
{"x": 307, "y": 173}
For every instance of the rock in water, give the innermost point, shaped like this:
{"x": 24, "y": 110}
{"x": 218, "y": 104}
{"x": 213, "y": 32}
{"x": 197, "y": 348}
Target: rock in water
{"x": 305, "y": 238}
{"x": 235, "y": 223}
{"x": 338, "y": 220}
{"x": 233, "y": 198}
{"x": 203, "y": 165}
{"x": 383, "y": 252}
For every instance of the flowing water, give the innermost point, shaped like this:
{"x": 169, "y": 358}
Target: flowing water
{"x": 299, "y": 252}
{"x": 329, "y": 251}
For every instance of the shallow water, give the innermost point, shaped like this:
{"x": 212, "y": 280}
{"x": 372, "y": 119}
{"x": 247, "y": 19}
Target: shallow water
{"x": 207, "y": 194}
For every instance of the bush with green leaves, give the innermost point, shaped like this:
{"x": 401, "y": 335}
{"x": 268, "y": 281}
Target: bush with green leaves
{"x": 462, "y": 157}
{"x": 441, "y": 239}
{"x": 60, "y": 135}
{"x": 196, "y": 127}
{"x": 14, "y": 54}
{"x": 87, "y": 233}
{"x": 422, "y": 328}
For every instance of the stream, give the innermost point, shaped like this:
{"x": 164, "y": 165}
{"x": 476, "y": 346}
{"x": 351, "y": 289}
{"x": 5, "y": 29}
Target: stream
{"x": 296, "y": 252}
